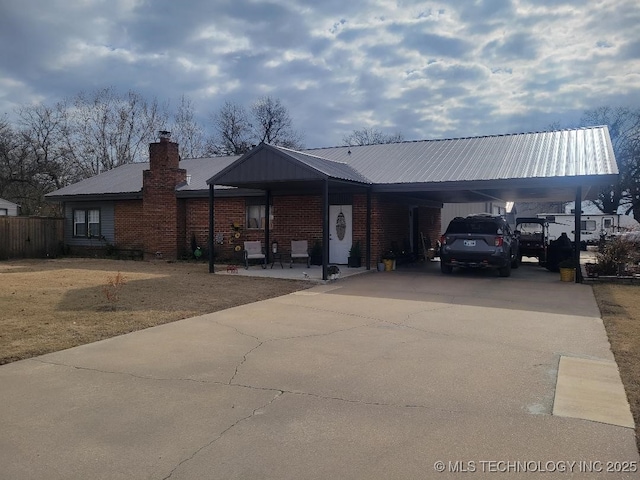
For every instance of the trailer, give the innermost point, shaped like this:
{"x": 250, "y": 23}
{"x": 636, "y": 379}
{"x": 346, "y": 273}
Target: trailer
{"x": 593, "y": 227}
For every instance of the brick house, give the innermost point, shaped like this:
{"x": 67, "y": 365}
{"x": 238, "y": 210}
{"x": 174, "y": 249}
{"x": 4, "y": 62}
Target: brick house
{"x": 387, "y": 195}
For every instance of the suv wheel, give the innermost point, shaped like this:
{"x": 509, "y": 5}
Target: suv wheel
{"x": 447, "y": 269}
{"x": 505, "y": 271}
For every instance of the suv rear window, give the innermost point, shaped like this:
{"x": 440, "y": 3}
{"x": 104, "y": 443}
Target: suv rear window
{"x": 482, "y": 227}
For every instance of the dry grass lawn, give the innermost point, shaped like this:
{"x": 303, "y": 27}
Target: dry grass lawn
{"x": 620, "y": 309}
{"x": 51, "y": 305}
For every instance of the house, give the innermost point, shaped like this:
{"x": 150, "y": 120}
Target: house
{"x": 8, "y": 208}
{"x": 383, "y": 196}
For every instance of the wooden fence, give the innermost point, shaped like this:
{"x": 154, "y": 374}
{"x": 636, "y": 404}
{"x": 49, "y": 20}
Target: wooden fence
{"x": 30, "y": 237}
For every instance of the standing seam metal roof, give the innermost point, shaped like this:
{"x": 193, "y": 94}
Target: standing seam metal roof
{"x": 542, "y": 155}
{"x": 331, "y": 168}
{"x": 584, "y": 151}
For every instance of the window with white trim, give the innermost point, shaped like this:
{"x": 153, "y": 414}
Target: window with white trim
{"x": 86, "y": 223}
{"x": 4, "y": 212}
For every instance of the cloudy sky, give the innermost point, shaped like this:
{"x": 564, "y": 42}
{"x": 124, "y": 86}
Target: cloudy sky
{"x": 425, "y": 69}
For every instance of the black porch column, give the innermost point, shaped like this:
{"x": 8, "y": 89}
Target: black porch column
{"x": 325, "y": 228}
{"x": 576, "y": 236}
{"x": 267, "y": 246}
{"x": 211, "y": 232}
{"x": 368, "y": 229}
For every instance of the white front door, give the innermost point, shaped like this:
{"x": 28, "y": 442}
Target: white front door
{"x": 340, "y": 233}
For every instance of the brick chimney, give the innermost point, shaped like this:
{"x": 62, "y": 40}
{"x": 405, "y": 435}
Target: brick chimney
{"x": 159, "y": 202}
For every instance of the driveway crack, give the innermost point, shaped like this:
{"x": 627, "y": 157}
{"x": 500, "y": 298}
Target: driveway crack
{"x": 221, "y": 434}
{"x": 242, "y": 362}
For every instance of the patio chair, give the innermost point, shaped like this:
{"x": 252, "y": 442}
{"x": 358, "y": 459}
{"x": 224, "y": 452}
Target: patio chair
{"x": 299, "y": 249}
{"x": 253, "y": 251}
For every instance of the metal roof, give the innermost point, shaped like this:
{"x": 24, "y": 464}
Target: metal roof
{"x": 562, "y": 153}
{"x": 540, "y": 165}
{"x": 269, "y": 164}
{"x": 330, "y": 168}
{"x": 127, "y": 179}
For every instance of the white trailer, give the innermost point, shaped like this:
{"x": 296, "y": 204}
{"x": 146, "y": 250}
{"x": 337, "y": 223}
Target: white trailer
{"x": 592, "y": 226}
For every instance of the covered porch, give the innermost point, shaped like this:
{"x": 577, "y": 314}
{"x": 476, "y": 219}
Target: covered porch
{"x": 388, "y": 186}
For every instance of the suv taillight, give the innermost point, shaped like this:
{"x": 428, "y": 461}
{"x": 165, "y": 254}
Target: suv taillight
{"x": 443, "y": 240}
{"x": 499, "y": 241}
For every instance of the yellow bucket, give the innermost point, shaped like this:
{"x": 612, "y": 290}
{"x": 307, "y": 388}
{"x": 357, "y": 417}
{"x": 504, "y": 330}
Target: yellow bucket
{"x": 388, "y": 265}
{"x": 568, "y": 274}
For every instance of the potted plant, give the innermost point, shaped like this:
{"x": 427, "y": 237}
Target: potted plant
{"x": 355, "y": 256}
{"x": 389, "y": 260}
{"x": 567, "y": 269}
{"x": 315, "y": 256}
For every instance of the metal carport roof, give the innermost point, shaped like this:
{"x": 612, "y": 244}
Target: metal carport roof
{"x": 540, "y": 165}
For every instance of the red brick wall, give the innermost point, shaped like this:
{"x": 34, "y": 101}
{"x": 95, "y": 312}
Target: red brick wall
{"x": 390, "y": 224}
{"x": 129, "y": 231}
{"x": 429, "y": 220}
{"x": 160, "y": 216}
{"x": 295, "y": 218}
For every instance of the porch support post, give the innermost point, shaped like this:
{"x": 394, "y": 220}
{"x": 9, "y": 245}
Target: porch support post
{"x": 211, "y": 228}
{"x": 368, "y": 228}
{"x": 325, "y": 228}
{"x": 576, "y": 236}
{"x": 267, "y": 246}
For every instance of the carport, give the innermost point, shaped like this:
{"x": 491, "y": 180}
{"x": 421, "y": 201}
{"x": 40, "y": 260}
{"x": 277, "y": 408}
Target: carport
{"x": 561, "y": 165}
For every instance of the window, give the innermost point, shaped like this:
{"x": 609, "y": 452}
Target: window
{"x": 255, "y": 216}
{"x": 4, "y": 212}
{"x": 86, "y": 223}
{"x": 588, "y": 225}
{"x": 608, "y": 222}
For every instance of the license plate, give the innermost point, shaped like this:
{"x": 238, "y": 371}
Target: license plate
{"x": 469, "y": 243}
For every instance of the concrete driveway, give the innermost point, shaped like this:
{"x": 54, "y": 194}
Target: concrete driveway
{"x": 378, "y": 376}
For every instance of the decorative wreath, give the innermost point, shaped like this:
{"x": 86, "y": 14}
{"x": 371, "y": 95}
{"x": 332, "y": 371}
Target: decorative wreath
{"x": 236, "y": 235}
{"x": 341, "y": 225}
{"x": 237, "y": 248}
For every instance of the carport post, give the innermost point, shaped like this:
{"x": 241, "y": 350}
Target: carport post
{"x": 325, "y": 227}
{"x": 211, "y": 223}
{"x": 576, "y": 236}
{"x": 267, "y": 217}
{"x": 368, "y": 228}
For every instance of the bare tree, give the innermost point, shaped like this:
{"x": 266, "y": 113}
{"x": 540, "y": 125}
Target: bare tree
{"x": 273, "y": 124}
{"x": 624, "y": 129}
{"x": 371, "y": 136}
{"x": 106, "y": 130}
{"x": 187, "y": 131}
{"x": 236, "y": 131}
{"x": 33, "y": 158}
{"x": 232, "y": 131}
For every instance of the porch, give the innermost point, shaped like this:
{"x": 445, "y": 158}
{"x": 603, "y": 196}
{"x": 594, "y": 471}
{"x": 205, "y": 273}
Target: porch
{"x": 298, "y": 272}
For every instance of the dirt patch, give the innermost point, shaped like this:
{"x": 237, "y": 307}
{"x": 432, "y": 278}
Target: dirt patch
{"x": 620, "y": 309}
{"x": 51, "y": 305}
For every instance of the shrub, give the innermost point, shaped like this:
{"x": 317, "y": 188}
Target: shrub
{"x": 616, "y": 251}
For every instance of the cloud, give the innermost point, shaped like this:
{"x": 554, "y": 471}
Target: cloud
{"x": 426, "y": 69}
